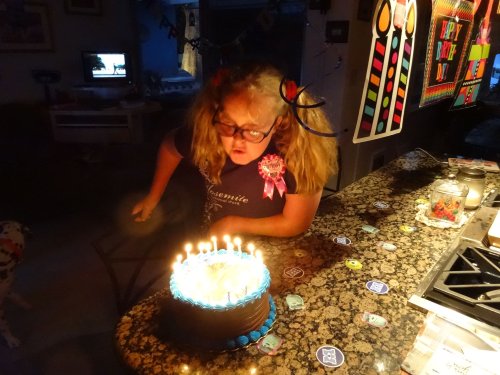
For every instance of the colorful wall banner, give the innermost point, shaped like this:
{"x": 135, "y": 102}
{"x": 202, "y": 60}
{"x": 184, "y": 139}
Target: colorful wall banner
{"x": 449, "y": 35}
{"x": 388, "y": 74}
{"x": 467, "y": 91}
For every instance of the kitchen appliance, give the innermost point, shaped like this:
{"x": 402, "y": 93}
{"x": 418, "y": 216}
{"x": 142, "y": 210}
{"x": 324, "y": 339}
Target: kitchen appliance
{"x": 470, "y": 283}
{"x": 464, "y": 285}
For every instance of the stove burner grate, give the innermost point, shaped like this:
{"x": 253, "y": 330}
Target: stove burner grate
{"x": 470, "y": 283}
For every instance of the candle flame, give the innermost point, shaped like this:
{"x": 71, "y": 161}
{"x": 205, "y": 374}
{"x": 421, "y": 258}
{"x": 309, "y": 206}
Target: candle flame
{"x": 251, "y": 248}
{"x": 201, "y": 247}
{"x": 237, "y": 241}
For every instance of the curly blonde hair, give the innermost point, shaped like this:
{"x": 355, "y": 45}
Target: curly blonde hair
{"x": 310, "y": 158}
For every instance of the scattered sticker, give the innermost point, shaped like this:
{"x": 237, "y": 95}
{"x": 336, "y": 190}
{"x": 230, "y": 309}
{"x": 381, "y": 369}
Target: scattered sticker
{"x": 299, "y": 253}
{"x": 293, "y": 272}
{"x": 369, "y": 228}
{"x": 377, "y": 287}
{"x": 330, "y": 356}
{"x": 386, "y": 246}
{"x": 374, "y": 319}
{"x": 270, "y": 344}
{"x": 421, "y": 201}
{"x": 381, "y": 205}
{"x": 407, "y": 228}
{"x": 353, "y": 264}
{"x": 342, "y": 240}
{"x": 294, "y": 302}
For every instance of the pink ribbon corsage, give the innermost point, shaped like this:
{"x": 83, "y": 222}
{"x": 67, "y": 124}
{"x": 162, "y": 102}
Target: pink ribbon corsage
{"x": 271, "y": 169}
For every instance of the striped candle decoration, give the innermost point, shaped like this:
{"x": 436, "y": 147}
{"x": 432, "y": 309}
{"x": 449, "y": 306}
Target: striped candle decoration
{"x": 387, "y": 78}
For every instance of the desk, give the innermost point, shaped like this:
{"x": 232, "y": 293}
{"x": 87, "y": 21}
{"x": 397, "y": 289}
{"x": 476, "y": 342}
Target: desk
{"x": 79, "y": 124}
{"x": 335, "y": 296}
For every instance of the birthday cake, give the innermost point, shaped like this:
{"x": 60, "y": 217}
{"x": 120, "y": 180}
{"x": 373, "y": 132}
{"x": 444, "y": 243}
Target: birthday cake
{"x": 221, "y": 300}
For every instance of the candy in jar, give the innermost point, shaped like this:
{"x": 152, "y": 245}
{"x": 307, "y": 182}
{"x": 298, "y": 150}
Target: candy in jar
{"x": 447, "y": 200}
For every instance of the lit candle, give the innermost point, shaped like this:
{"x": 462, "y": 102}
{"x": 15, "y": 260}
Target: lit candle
{"x": 214, "y": 241}
{"x": 251, "y": 248}
{"x": 258, "y": 255}
{"x": 237, "y": 241}
{"x": 230, "y": 248}
{"x": 179, "y": 258}
{"x": 188, "y": 249}
{"x": 201, "y": 247}
{"x": 227, "y": 239}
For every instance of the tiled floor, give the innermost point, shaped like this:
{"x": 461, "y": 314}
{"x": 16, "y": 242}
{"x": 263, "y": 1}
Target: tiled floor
{"x": 76, "y": 200}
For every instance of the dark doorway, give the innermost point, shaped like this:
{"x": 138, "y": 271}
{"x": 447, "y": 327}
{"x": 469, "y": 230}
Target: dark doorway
{"x": 256, "y": 30}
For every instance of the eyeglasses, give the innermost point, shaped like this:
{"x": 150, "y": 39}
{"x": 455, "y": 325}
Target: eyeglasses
{"x": 250, "y": 135}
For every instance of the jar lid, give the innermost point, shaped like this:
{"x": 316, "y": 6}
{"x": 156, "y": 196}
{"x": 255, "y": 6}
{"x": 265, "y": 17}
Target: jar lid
{"x": 476, "y": 173}
{"x": 451, "y": 187}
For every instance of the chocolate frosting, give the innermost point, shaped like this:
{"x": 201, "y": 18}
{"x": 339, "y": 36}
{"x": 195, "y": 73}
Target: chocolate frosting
{"x": 214, "y": 324}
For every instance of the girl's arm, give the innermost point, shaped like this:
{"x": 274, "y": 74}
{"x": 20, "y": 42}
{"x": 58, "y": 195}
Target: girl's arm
{"x": 167, "y": 161}
{"x": 296, "y": 218}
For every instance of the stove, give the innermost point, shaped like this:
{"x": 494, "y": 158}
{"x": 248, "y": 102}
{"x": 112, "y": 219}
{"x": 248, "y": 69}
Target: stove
{"x": 493, "y": 199}
{"x": 469, "y": 283}
{"x": 464, "y": 285}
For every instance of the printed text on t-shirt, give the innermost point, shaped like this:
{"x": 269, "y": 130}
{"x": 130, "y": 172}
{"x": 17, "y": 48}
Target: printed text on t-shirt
{"x": 227, "y": 198}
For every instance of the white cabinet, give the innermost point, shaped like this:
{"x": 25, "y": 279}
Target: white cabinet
{"x": 77, "y": 124}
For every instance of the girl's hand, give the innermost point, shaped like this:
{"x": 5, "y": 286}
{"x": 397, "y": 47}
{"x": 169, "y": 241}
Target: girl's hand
{"x": 144, "y": 208}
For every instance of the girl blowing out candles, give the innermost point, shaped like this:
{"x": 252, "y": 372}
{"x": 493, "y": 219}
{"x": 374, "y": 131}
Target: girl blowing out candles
{"x": 264, "y": 147}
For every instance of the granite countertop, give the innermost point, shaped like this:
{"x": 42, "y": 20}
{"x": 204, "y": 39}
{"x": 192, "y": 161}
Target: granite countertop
{"x": 313, "y": 266}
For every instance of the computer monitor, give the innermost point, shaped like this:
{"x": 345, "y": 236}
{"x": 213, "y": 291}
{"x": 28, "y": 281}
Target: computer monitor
{"x": 107, "y": 66}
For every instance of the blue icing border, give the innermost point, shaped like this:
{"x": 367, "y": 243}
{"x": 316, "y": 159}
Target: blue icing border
{"x": 254, "y": 336}
{"x": 266, "y": 282}
{"x": 238, "y": 342}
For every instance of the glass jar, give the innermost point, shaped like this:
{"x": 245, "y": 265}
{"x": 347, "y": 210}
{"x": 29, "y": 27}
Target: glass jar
{"x": 447, "y": 200}
{"x": 475, "y": 179}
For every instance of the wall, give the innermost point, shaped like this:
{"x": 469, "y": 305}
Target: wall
{"x": 158, "y": 51}
{"x": 71, "y": 33}
{"x": 342, "y": 86}
{"x": 239, "y": 30}
{"x": 169, "y": 63}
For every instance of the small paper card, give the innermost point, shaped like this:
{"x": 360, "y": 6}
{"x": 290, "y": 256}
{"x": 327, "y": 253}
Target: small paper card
{"x": 489, "y": 166}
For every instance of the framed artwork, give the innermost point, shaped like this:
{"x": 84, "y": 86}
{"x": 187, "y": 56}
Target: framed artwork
{"x": 25, "y": 28}
{"x": 92, "y": 7}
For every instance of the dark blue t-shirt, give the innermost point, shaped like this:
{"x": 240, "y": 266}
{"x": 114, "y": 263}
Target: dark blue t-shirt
{"x": 241, "y": 189}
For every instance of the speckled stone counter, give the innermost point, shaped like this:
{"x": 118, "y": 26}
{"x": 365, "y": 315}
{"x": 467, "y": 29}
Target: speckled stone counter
{"x": 335, "y": 296}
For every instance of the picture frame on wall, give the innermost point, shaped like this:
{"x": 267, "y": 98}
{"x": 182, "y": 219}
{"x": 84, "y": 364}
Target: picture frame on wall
{"x": 91, "y": 7}
{"x": 25, "y": 29}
